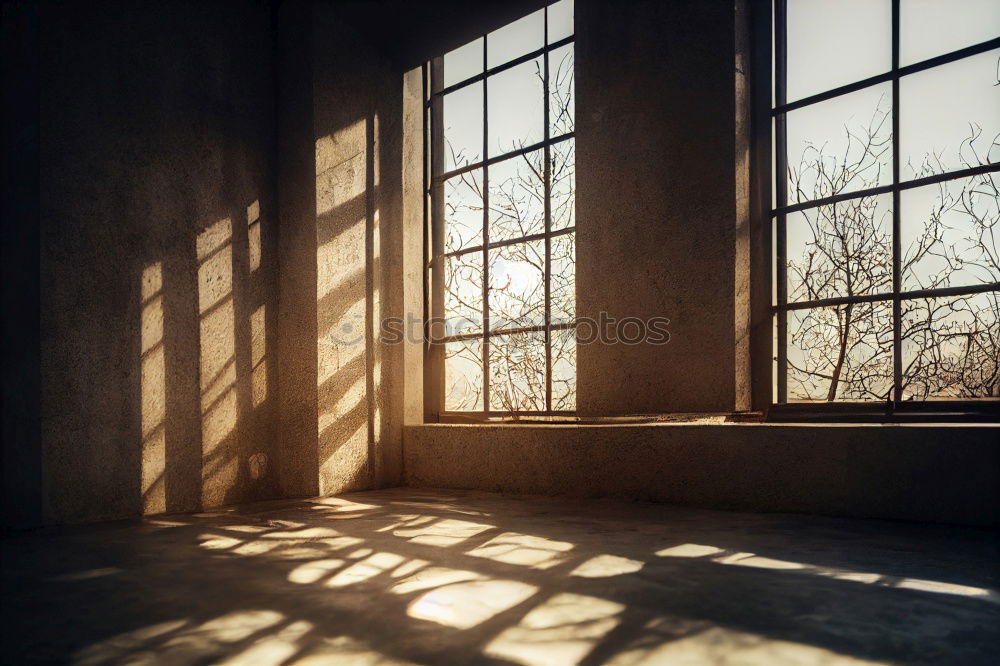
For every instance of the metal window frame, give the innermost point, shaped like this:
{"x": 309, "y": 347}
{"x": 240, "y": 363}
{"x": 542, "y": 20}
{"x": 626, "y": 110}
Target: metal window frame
{"x": 435, "y": 256}
{"x": 769, "y": 369}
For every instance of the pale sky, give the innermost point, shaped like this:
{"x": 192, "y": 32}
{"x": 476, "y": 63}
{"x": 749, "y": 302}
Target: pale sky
{"x": 835, "y": 43}
{"x": 516, "y": 115}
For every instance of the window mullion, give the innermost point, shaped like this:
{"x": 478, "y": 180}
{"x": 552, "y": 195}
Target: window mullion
{"x": 896, "y": 394}
{"x": 548, "y": 222}
{"x": 434, "y": 386}
{"x": 486, "y": 239}
{"x": 781, "y": 193}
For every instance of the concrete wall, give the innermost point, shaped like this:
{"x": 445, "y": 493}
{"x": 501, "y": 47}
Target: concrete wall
{"x": 947, "y": 474}
{"x": 656, "y": 201}
{"x": 341, "y": 256}
{"x": 21, "y": 463}
{"x": 158, "y": 260}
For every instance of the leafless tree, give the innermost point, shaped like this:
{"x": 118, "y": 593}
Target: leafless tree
{"x": 517, "y": 272}
{"x": 950, "y": 345}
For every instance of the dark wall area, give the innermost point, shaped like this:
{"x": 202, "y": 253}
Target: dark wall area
{"x": 157, "y": 256}
{"x": 937, "y": 473}
{"x": 656, "y": 193}
{"x": 22, "y": 457}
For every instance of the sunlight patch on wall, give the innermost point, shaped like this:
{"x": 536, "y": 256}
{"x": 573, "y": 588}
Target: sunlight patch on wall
{"x": 562, "y": 631}
{"x": 219, "y": 407}
{"x": 253, "y": 235}
{"x": 258, "y": 352}
{"x": 153, "y": 391}
{"x": 342, "y": 284}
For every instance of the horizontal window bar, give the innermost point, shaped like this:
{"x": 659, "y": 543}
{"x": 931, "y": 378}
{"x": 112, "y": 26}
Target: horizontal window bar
{"x": 501, "y": 68}
{"x": 505, "y": 331}
{"x": 885, "y": 189}
{"x": 481, "y": 417}
{"x": 975, "y": 49}
{"x": 512, "y": 241}
{"x": 905, "y": 295}
{"x": 500, "y": 158}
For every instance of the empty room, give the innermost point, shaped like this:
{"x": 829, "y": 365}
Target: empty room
{"x": 508, "y": 332}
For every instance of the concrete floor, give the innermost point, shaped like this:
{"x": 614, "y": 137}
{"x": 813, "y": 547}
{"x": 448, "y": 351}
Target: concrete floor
{"x": 449, "y": 577}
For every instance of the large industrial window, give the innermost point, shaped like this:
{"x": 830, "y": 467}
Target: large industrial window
{"x": 886, "y": 208}
{"x": 501, "y": 247}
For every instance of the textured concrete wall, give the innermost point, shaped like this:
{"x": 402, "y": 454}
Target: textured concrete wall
{"x": 157, "y": 257}
{"x": 341, "y": 257}
{"x": 948, "y": 474}
{"x": 656, "y": 208}
{"x": 21, "y": 463}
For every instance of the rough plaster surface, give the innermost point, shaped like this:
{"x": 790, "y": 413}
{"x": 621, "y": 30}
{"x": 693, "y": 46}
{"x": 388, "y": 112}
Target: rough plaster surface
{"x": 157, "y": 262}
{"x": 341, "y": 252}
{"x": 947, "y": 474}
{"x": 655, "y": 208}
{"x": 451, "y": 577}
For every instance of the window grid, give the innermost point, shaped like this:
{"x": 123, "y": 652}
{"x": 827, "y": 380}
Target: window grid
{"x": 434, "y": 180}
{"x": 782, "y": 209}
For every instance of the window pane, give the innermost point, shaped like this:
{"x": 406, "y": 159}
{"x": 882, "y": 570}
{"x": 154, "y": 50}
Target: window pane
{"x": 929, "y": 28}
{"x": 517, "y": 372}
{"x": 463, "y": 126}
{"x": 949, "y": 234}
{"x": 564, "y": 370}
{"x": 844, "y": 249}
{"x": 560, "y": 20}
{"x": 951, "y": 347}
{"x": 840, "y": 353}
{"x": 515, "y": 107}
{"x": 517, "y": 197}
{"x": 841, "y": 145}
{"x": 515, "y": 39}
{"x": 463, "y": 210}
{"x": 463, "y": 293}
{"x": 563, "y": 281}
{"x": 463, "y": 376}
{"x": 562, "y": 91}
{"x": 463, "y": 63}
{"x": 563, "y": 191}
{"x": 950, "y": 116}
{"x": 831, "y": 44}
{"x": 517, "y": 285}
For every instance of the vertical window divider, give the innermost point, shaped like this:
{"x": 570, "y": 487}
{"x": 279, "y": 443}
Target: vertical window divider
{"x": 434, "y": 384}
{"x": 548, "y": 217}
{"x": 486, "y": 235}
{"x": 895, "y": 394}
{"x": 781, "y": 192}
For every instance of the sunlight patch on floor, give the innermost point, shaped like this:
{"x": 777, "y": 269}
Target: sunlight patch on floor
{"x": 560, "y": 632}
{"x": 523, "y": 549}
{"x": 464, "y": 605}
